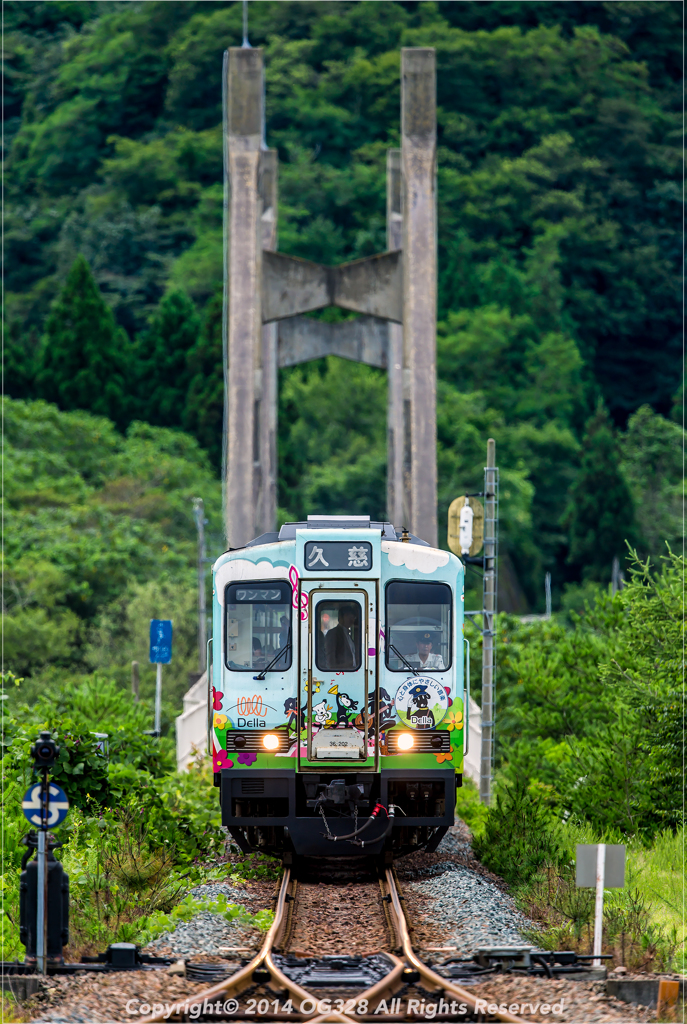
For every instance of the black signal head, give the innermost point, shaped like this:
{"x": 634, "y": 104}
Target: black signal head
{"x": 44, "y": 751}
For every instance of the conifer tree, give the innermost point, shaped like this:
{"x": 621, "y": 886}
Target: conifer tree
{"x": 162, "y": 364}
{"x": 204, "y": 410}
{"x": 600, "y": 514}
{"x": 83, "y": 364}
{"x": 21, "y": 353}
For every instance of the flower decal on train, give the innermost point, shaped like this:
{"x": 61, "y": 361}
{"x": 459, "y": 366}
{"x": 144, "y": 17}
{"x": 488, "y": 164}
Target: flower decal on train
{"x": 219, "y": 721}
{"x": 444, "y": 756}
{"x": 454, "y": 720}
{"x": 247, "y": 757}
{"x": 220, "y": 761}
{"x": 216, "y": 699}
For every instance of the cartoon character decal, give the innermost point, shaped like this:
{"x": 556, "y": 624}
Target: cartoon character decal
{"x": 291, "y": 712}
{"x": 421, "y": 702}
{"x": 421, "y": 716}
{"x": 345, "y": 707}
{"x": 321, "y": 712}
{"x": 387, "y": 714}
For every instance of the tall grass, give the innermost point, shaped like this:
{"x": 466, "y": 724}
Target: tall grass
{"x": 644, "y": 927}
{"x": 643, "y": 923}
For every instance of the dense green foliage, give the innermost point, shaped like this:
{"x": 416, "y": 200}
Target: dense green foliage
{"x": 161, "y": 360}
{"x": 593, "y": 716}
{"x": 559, "y": 238}
{"x": 100, "y": 538}
{"x": 84, "y": 362}
{"x": 137, "y": 833}
{"x": 600, "y": 514}
{"x": 590, "y": 726}
{"x": 652, "y": 452}
{"x": 518, "y": 835}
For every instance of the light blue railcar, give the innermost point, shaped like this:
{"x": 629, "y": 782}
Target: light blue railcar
{"x": 337, "y": 689}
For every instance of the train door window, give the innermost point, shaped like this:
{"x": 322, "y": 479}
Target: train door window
{"x": 338, "y": 629}
{"x": 258, "y": 626}
{"x": 418, "y": 626}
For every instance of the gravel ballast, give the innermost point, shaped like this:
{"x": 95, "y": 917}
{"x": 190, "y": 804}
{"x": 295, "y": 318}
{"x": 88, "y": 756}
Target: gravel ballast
{"x": 206, "y": 933}
{"x": 213, "y": 890}
{"x": 210, "y": 934}
{"x": 452, "y": 906}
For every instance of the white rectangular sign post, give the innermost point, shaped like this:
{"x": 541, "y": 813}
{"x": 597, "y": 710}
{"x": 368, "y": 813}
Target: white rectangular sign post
{"x": 599, "y": 902}
{"x": 599, "y": 866}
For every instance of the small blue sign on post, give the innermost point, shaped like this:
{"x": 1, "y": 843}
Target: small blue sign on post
{"x": 32, "y": 805}
{"x": 160, "y": 641}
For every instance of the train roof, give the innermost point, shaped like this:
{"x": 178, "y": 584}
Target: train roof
{"x": 288, "y": 530}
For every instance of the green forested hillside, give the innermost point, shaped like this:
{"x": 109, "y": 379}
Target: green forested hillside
{"x": 559, "y": 241}
{"x": 99, "y": 539}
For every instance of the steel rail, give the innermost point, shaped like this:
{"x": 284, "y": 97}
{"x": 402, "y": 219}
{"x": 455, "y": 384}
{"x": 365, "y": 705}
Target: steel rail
{"x": 389, "y": 984}
{"x": 243, "y": 978}
{"x": 435, "y": 981}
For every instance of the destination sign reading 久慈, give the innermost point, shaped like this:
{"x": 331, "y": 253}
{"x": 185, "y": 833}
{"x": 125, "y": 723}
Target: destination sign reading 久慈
{"x": 338, "y": 556}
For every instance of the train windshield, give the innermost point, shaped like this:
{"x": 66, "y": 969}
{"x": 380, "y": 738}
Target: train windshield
{"x": 418, "y": 626}
{"x": 258, "y": 626}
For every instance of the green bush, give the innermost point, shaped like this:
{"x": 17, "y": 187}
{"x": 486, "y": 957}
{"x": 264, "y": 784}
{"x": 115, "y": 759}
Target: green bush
{"x": 594, "y": 712}
{"x": 74, "y": 712}
{"x": 520, "y": 834}
{"x": 137, "y": 834}
{"x": 469, "y": 807}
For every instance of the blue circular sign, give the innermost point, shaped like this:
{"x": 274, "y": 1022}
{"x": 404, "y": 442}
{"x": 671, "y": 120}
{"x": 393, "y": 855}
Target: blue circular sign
{"x": 58, "y": 805}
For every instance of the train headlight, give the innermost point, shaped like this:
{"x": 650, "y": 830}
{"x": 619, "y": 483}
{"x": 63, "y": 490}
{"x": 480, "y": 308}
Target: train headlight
{"x": 270, "y": 741}
{"x": 405, "y": 741}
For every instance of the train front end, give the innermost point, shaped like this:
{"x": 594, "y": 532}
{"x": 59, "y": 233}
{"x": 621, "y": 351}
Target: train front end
{"x": 336, "y": 707}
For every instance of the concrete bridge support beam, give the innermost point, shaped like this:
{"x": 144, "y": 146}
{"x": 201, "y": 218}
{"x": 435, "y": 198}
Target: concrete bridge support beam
{"x": 266, "y": 466}
{"x": 397, "y": 505}
{"x": 244, "y": 321}
{"x": 418, "y": 163}
{"x": 268, "y": 292}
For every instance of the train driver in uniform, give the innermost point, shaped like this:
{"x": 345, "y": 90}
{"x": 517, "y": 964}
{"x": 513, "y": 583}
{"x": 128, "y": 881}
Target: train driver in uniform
{"x": 425, "y": 658}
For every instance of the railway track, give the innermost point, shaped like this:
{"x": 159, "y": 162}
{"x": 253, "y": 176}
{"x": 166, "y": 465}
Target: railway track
{"x": 384, "y": 974}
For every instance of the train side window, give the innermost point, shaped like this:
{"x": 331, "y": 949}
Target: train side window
{"x": 337, "y": 636}
{"x": 257, "y": 626}
{"x": 418, "y": 626}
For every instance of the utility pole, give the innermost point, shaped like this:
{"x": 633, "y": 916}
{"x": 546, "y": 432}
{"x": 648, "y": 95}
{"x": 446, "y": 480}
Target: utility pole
{"x": 199, "y": 516}
{"x": 489, "y": 590}
{"x": 547, "y": 594}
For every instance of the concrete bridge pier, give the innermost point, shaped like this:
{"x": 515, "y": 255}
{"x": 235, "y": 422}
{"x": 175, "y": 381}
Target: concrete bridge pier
{"x": 394, "y": 294}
